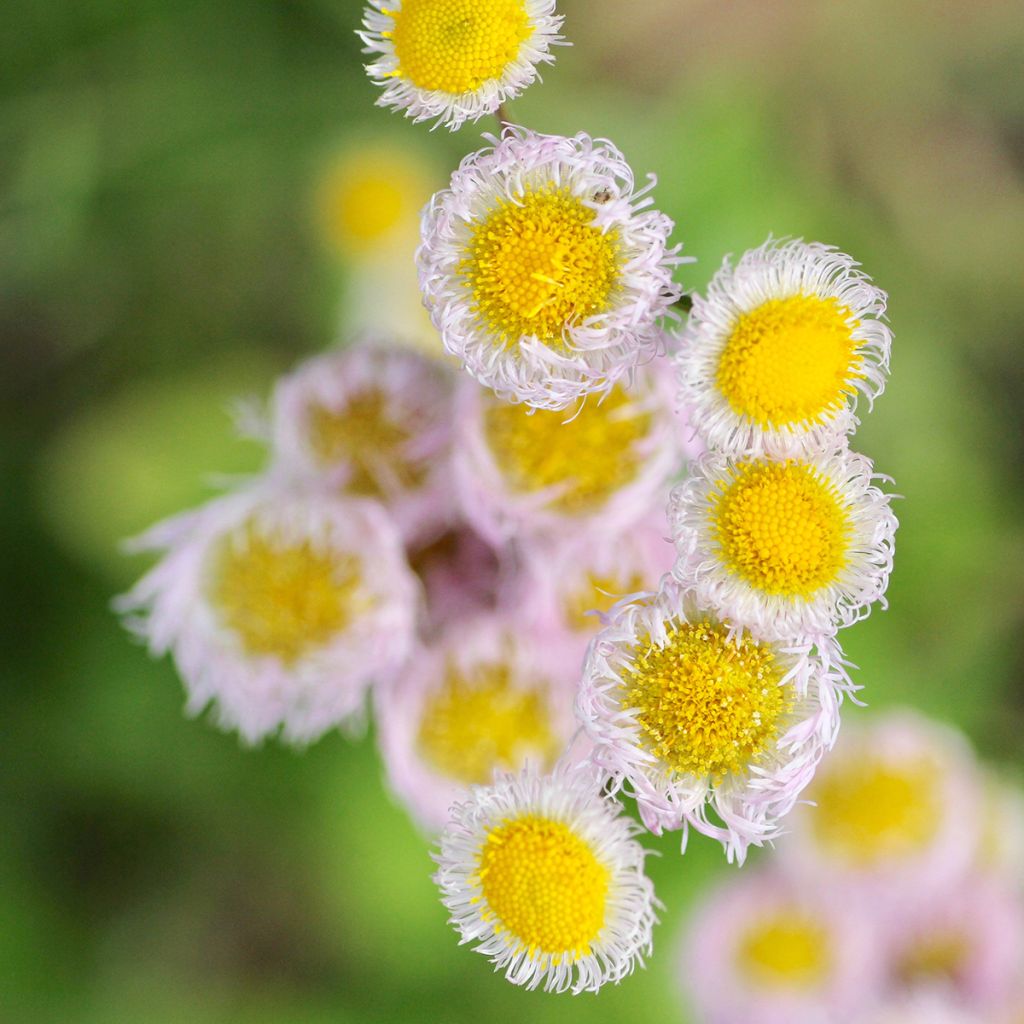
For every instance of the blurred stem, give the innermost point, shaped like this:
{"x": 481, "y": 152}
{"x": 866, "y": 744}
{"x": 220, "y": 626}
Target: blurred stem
{"x": 502, "y": 114}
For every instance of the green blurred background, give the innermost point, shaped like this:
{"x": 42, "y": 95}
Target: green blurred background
{"x": 158, "y": 257}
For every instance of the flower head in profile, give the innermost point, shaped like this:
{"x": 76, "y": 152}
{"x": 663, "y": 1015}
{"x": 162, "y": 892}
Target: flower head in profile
{"x": 708, "y": 727}
{"x": 530, "y": 471}
{"x": 453, "y": 61}
{"x": 544, "y": 270}
{"x": 766, "y": 950}
{"x": 791, "y": 547}
{"x": 278, "y": 608}
{"x": 545, "y": 876}
{"x": 374, "y": 421}
{"x": 775, "y": 355}
{"x": 486, "y": 696}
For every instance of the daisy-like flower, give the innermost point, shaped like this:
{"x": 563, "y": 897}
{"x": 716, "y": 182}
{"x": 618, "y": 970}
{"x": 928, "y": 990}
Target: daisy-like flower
{"x": 374, "y": 421}
{"x": 520, "y": 470}
{"x": 791, "y": 547}
{"x": 544, "y": 270}
{"x": 487, "y": 696}
{"x": 764, "y": 951}
{"x": 456, "y": 60}
{"x": 773, "y": 358}
{"x": 544, "y": 875}
{"x": 893, "y": 809}
{"x": 706, "y": 726}
{"x": 278, "y": 608}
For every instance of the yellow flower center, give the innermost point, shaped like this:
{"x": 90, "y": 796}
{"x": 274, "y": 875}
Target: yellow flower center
{"x": 543, "y": 886}
{"x": 536, "y": 265}
{"x": 939, "y": 956}
{"x": 787, "y": 950}
{"x": 365, "y": 436}
{"x": 790, "y": 360}
{"x": 869, "y": 812}
{"x": 588, "y": 456}
{"x": 707, "y": 706}
{"x": 471, "y": 726}
{"x": 597, "y": 594}
{"x": 283, "y": 597}
{"x": 455, "y": 46}
{"x": 781, "y": 527}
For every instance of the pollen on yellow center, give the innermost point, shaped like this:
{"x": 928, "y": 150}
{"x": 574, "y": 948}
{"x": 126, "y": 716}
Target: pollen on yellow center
{"x": 473, "y": 725}
{"x": 785, "y": 950}
{"x": 781, "y": 527}
{"x": 707, "y": 705}
{"x": 587, "y": 456}
{"x": 365, "y": 435}
{"x": 537, "y": 265}
{"x": 456, "y": 46}
{"x": 283, "y": 597}
{"x": 598, "y": 594}
{"x": 869, "y": 812}
{"x": 790, "y": 360}
{"x": 543, "y": 886}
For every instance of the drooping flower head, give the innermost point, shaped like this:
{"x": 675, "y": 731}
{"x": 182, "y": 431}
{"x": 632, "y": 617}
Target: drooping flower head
{"x": 520, "y": 470}
{"x": 765, "y": 950}
{"x": 706, "y": 726}
{"x": 791, "y": 547}
{"x": 487, "y": 695}
{"x": 773, "y": 358}
{"x": 456, "y": 60}
{"x": 374, "y": 421}
{"x": 279, "y": 608}
{"x": 543, "y": 269}
{"x": 545, "y": 876}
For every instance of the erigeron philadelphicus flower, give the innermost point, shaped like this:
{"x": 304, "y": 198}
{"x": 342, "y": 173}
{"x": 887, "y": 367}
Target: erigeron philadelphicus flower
{"x": 893, "y": 809}
{"x": 374, "y": 421}
{"x": 520, "y": 470}
{"x": 791, "y": 547}
{"x": 487, "y": 695}
{"x": 707, "y": 727}
{"x": 774, "y": 356}
{"x": 544, "y": 875}
{"x": 921, "y": 1008}
{"x": 762, "y": 950}
{"x": 279, "y": 608}
{"x": 967, "y": 941}
{"x": 544, "y": 270}
{"x": 456, "y": 60}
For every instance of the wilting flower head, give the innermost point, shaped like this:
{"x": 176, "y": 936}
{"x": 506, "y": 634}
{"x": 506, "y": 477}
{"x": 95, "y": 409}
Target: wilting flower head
{"x": 545, "y": 876}
{"x": 708, "y": 727}
{"x": 760, "y": 950}
{"x": 279, "y": 608}
{"x": 374, "y": 421}
{"x": 520, "y": 470}
{"x": 543, "y": 269}
{"x": 773, "y": 358}
{"x": 791, "y": 547}
{"x": 895, "y": 810}
{"x": 486, "y": 696}
{"x": 456, "y": 60}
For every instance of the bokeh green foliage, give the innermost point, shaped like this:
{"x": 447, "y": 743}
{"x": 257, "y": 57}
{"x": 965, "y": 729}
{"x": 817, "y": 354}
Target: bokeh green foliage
{"x": 158, "y": 258}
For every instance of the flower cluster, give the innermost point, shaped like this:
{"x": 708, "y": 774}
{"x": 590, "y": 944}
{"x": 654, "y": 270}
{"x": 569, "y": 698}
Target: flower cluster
{"x": 898, "y": 898}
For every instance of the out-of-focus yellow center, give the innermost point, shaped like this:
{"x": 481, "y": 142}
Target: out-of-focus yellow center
{"x": 283, "y": 597}
{"x": 786, "y": 950}
{"x": 780, "y": 527}
{"x": 598, "y": 594}
{"x": 939, "y": 956}
{"x": 869, "y": 811}
{"x": 543, "y": 886}
{"x": 471, "y": 726}
{"x": 790, "y": 360}
{"x": 587, "y": 456}
{"x": 455, "y": 46}
{"x": 706, "y": 705}
{"x": 365, "y": 436}
{"x": 536, "y": 265}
